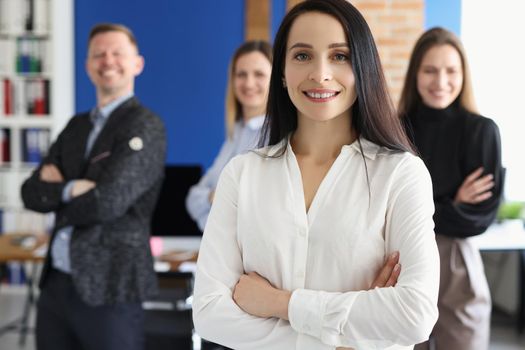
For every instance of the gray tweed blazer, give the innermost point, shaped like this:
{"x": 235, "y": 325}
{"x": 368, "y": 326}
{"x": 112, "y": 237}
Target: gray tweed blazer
{"x": 111, "y": 260}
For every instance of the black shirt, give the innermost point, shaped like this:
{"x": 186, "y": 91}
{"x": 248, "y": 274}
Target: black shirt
{"x": 453, "y": 143}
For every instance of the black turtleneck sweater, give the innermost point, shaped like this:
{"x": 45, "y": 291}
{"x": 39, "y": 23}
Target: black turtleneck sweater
{"x": 453, "y": 143}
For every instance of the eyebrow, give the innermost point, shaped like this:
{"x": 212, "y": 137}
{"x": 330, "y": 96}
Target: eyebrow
{"x": 308, "y": 46}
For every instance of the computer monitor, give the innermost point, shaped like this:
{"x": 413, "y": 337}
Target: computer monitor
{"x": 170, "y": 217}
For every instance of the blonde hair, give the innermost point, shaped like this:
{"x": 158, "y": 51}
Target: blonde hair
{"x": 437, "y": 36}
{"x": 233, "y": 109}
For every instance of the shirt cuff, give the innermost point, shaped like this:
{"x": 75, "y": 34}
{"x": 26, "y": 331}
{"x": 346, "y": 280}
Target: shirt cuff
{"x": 66, "y": 191}
{"x": 305, "y": 312}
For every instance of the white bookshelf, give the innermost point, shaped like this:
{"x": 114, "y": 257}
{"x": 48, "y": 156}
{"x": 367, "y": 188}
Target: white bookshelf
{"x": 48, "y": 41}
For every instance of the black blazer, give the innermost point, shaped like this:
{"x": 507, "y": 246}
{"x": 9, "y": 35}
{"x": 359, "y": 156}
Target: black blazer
{"x": 111, "y": 260}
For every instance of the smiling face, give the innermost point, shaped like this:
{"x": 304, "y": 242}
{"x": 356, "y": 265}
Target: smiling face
{"x": 251, "y": 79}
{"x": 440, "y": 76}
{"x": 112, "y": 64}
{"x": 318, "y": 73}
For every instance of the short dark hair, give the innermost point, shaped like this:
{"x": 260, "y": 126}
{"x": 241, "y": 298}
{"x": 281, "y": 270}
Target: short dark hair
{"x": 112, "y": 27}
{"x": 436, "y": 36}
{"x": 373, "y": 112}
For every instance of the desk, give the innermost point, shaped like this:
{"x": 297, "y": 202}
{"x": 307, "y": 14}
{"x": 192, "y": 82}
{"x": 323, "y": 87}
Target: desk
{"x": 13, "y": 252}
{"x": 173, "y": 252}
{"x": 507, "y": 237}
{"x": 9, "y": 252}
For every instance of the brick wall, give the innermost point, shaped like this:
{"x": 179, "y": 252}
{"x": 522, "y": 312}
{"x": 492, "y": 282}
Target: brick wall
{"x": 396, "y": 25}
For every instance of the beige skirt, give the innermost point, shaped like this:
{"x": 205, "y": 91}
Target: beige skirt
{"x": 464, "y": 299}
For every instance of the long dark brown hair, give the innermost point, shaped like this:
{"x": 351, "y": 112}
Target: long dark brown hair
{"x": 373, "y": 113}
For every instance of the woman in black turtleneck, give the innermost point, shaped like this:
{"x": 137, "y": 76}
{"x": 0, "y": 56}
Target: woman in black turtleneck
{"x": 463, "y": 154}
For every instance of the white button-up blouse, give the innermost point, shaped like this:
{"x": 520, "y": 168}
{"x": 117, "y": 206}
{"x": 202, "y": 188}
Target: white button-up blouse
{"x": 328, "y": 257}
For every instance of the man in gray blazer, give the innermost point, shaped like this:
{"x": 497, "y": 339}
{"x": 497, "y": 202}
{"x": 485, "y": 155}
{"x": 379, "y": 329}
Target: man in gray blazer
{"x": 101, "y": 178}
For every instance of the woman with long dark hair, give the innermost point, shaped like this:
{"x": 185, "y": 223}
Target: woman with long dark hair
{"x": 323, "y": 238}
{"x": 463, "y": 154}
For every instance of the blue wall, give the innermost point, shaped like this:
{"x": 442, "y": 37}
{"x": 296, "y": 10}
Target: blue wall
{"x": 187, "y": 46}
{"x": 278, "y": 8}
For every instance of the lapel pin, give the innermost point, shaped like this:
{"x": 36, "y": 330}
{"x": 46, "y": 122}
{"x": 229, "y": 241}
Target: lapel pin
{"x": 136, "y": 143}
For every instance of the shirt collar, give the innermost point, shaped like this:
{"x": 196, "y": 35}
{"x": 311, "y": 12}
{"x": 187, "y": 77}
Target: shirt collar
{"x": 369, "y": 149}
{"x": 106, "y": 110}
{"x": 255, "y": 123}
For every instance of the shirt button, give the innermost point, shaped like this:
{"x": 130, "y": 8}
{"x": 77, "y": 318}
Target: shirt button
{"x": 300, "y": 274}
{"x": 63, "y": 235}
{"x": 302, "y": 233}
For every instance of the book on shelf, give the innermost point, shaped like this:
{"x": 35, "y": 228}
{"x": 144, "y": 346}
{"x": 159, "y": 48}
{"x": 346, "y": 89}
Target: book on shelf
{"x": 25, "y": 56}
{"x": 24, "y": 16}
{"x": 30, "y": 55}
{"x": 6, "y": 97}
{"x": 35, "y": 144}
{"x": 5, "y": 152}
{"x": 24, "y": 96}
{"x": 36, "y": 99}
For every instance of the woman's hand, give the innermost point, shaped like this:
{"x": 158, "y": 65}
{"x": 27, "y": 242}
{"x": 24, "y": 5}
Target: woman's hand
{"x": 256, "y": 296}
{"x": 475, "y": 188}
{"x": 389, "y": 274}
{"x": 387, "y": 277}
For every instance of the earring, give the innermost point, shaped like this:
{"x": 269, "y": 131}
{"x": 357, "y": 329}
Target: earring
{"x": 284, "y": 83}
